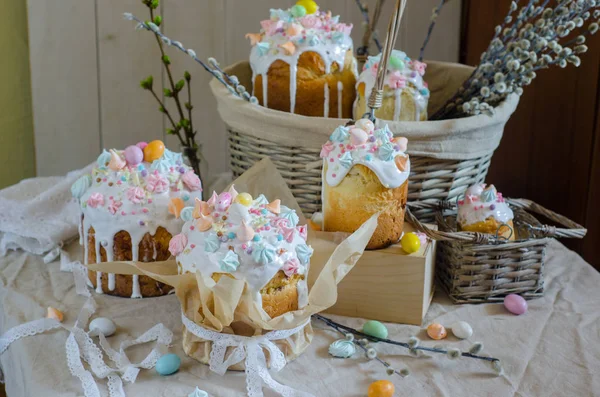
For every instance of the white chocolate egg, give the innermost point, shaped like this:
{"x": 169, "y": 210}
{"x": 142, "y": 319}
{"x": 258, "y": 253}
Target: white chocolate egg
{"x": 102, "y": 325}
{"x": 358, "y": 136}
{"x": 462, "y": 330}
{"x": 366, "y": 125}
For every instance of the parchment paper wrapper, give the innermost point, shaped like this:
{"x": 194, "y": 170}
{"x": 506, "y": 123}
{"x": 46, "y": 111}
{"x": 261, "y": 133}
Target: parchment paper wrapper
{"x": 228, "y": 306}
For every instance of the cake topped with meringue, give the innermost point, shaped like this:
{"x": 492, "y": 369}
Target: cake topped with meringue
{"x": 249, "y": 239}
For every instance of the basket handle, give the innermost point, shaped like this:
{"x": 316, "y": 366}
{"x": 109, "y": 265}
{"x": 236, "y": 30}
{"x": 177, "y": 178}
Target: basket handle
{"x": 439, "y": 235}
{"x": 571, "y": 229}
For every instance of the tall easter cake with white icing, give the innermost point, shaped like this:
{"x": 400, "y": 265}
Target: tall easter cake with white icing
{"x": 248, "y": 239}
{"x": 405, "y": 93}
{"x": 365, "y": 171}
{"x": 302, "y": 62}
{"x": 130, "y": 205}
{"x": 484, "y": 210}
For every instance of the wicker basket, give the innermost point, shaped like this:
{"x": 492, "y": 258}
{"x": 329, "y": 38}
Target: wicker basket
{"x": 476, "y": 267}
{"x": 293, "y": 142}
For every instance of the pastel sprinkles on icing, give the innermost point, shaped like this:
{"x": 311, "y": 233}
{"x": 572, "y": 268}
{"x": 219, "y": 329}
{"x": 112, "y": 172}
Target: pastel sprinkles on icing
{"x": 403, "y": 74}
{"x": 376, "y": 149}
{"x": 249, "y": 239}
{"x": 481, "y": 202}
{"x": 125, "y": 193}
{"x": 290, "y": 33}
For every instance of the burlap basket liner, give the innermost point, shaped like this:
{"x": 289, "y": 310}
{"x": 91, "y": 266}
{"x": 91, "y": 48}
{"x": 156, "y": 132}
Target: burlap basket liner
{"x": 458, "y": 139}
{"x": 227, "y": 306}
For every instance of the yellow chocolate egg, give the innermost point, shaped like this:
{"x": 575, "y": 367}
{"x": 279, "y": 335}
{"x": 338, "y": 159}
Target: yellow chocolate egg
{"x": 381, "y": 388}
{"x": 244, "y": 199}
{"x": 153, "y": 151}
{"x": 310, "y": 6}
{"x": 410, "y": 243}
{"x": 436, "y": 331}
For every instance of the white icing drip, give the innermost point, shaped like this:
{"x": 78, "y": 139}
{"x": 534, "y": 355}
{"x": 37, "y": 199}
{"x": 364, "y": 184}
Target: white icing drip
{"x": 99, "y": 283}
{"x": 386, "y": 170}
{"x": 135, "y": 287}
{"x": 398, "y": 104}
{"x": 340, "y": 88}
{"x": 326, "y": 101}
{"x": 265, "y": 88}
{"x": 414, "y": 84}
{"x": 328, "y": 49}
{"x": 194, "y": 257}
{"x": 111, "y": 281}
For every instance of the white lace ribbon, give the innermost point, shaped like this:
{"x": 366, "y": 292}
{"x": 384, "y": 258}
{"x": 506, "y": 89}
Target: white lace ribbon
{"x": 81, "y": 348}
{"x": 249, "y": 349}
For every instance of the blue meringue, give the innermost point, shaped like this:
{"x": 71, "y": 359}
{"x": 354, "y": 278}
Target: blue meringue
{"x": 337, "y": 37}
{"x": 263, "y": 253}
{"x": 103, "y": 159}
{"x": 173, "y": 158}
{"x": 198, "y": 393}
{"x": 290, "y": 215}
{"x": 383, "y": 133}
{"x": 386, "y": 152}
{"x": 212, "y": 243}
{"x": 81, "y": 185}
{"x": 342, "y": 348}
{"x": 161, "y": 165}
{"x": 263, "y": 47}
{"x": 340, "y": 134}
{"x": 261, "y": 200}
{"x": 489, "y": 194}
{"x": 346, "y": 160}
{"x": 230, "y": 262}
{"x": 187, "y": 214}
{"x": 304, "y": 253}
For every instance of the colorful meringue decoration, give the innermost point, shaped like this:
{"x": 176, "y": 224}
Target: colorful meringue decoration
{"x": 136, "y": 190}
{"x": 481, "y": 202}
{"x": 342, "y": 348}
{"x": 406, "y": 94}
{"x": 287, "y": 34}
{"x": 250, "y": 239}
{"x": 382, "y": 153}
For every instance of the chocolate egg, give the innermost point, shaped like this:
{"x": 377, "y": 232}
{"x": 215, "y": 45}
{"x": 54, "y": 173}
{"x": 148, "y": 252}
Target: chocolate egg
{"x": 462, "y": 330}
{"x": 366, "y": 125}
{"x": 153, "y": 151}
{"x": 515, "y": 304}
{"x": 168, "y": 364}
{"x": 436, "y": 331}
{"x": 134, "y": 155}
{"x": 102, "y": 325}
{"x": 381, "y": 388}
{"x": 410, "y": 243}
{"x": 358, "y": 136}
{"x": 375, "y": 328}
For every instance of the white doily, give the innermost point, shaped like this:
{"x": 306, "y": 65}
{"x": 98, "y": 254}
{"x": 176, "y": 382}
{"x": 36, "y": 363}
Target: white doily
{"x": 38, "y": 215}
{"x": 249, "y": 349}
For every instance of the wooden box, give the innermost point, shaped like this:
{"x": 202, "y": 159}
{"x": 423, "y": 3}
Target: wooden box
{"x": 386, "y": 285}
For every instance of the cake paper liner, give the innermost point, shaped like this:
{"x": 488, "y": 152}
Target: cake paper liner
{"x": 229, "y": 307}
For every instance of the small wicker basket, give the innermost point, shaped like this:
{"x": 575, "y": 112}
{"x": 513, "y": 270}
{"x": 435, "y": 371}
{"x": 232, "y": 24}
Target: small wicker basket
{"x": 477, "y": 268}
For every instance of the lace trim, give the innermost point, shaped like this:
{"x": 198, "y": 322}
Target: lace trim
{"x": 250, "y": 349}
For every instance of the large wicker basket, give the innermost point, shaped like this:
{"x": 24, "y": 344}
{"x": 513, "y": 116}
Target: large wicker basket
{"x": 293, "y": 142}
{"x": 476, "y": 267}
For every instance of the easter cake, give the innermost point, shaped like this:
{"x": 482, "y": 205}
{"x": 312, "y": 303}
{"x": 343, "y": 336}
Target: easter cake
{"x": 302, "y": 62}
{"x": 261, "y": 242}
{"x": 405, "y": 93}
{"x": 130, "y": 205}
{"x": 365, "y": 171}
{"x": 484, "y": 210}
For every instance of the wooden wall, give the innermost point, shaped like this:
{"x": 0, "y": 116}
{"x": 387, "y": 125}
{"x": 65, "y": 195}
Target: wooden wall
{"x": 550, "y": 151}
{"x": 87, "y": 61}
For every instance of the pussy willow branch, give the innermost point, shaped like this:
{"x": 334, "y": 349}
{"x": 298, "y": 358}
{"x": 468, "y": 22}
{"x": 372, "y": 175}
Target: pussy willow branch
{"x": 370, "y": 30}
{"x": 434, "y": 16}
{"x": 339, "y": 327}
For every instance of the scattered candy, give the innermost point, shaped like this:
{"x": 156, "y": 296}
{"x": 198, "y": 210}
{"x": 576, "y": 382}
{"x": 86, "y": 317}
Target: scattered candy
{"x": 102, "y": 325}
{"x": 309, "y": 5}
{"x": 381, "y": 388}
{"x": 153, "y": 151}
{"x": 342, "y": 348}
{"x": 410, "y": 243}
{"x": 436, "y": 331}
{"x": 244, "y": 199}
{"x": 134, "y": 155}
{"x": 462, "y": 330}
{"x": 55, "y": 314}
{"x": 168, "y": 364}
{"x": 376, "y": 329}
{"x": 515, "y": 304}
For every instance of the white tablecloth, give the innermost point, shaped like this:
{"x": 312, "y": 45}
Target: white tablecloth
{"x": 552, "y": 350}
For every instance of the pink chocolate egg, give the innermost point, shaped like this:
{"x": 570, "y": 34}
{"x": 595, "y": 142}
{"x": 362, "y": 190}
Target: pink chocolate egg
{"x": 515, "y": 304}
{"x": 141, "y": 145}
{"x": 366, "y": 125}
{"x": 134, "y": 155}
{"x": 358, "y": 136}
